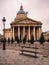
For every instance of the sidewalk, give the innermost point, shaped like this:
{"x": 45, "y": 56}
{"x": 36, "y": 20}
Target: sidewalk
{"x": 13, "y": 57}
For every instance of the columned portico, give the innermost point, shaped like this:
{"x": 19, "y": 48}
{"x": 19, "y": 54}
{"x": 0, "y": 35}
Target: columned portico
{"x": 35, "y": 30}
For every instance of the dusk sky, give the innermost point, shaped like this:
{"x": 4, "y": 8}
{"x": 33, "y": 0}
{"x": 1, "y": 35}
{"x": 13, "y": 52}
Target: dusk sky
{"x": 37, "y": 10}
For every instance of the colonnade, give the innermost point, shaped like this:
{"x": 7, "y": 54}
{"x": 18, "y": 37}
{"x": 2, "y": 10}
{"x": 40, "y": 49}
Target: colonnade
{"x": 36, "y": 31}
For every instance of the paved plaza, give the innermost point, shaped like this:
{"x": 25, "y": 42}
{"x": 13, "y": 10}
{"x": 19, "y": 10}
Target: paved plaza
{"x": 14, "y": 57}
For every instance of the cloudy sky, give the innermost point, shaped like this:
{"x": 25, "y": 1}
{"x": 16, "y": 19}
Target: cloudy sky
{"x": 37, "y": 10}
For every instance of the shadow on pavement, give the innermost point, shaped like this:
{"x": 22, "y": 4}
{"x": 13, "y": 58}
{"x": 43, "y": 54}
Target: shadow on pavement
{"x": 28, "y": 55}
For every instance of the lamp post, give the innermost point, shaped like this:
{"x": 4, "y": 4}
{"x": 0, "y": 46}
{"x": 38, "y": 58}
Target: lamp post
{"x": 4, "y": 20}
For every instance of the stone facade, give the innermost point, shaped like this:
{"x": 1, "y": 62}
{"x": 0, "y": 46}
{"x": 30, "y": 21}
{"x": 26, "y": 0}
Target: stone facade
{"x": 7, "y": 33}
{"x": 22, "y": 25}
{"x": 1, "y": 36}
{"x": 46, "y": 35}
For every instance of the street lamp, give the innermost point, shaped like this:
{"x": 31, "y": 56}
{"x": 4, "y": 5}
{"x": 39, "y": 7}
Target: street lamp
{"x": 4, "y": 20}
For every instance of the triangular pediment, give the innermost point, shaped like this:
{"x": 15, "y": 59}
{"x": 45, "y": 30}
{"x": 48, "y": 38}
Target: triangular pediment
{"x": 27, "y": 21}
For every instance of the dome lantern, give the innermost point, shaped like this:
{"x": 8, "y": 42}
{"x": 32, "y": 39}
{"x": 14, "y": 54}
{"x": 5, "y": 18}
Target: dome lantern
{"x": 21, "y": 7}
{"x": 21, "y": 11}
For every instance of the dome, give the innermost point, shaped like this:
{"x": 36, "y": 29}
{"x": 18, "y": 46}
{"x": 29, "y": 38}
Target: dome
{"x": 21, "y": 11}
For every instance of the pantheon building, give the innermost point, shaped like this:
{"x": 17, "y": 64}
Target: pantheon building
{"x": 23, "y": 25}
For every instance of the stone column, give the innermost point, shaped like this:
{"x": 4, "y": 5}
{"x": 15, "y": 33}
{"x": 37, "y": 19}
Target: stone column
{"x": 37, "y": 34}
{"x": 19, "y": 32}
{"x": 13, "y": 33}
{"x": 23, "y": 31}
{"x": 29, "y": 32}
{"x": 40, "y": 31}
{"x": 34, "y": 32}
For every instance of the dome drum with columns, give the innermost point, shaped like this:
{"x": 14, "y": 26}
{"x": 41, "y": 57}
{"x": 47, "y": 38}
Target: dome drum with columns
{"x": 22, "y": 25}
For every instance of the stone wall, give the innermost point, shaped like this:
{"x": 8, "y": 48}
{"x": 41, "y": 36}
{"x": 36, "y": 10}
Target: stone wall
{"x": 8, "y": 33}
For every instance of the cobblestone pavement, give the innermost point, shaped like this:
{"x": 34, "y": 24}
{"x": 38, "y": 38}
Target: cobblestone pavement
{"x": 13, "y": 57}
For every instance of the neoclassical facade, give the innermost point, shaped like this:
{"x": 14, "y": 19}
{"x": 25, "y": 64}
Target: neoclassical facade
{"x": 22, "y": 25}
